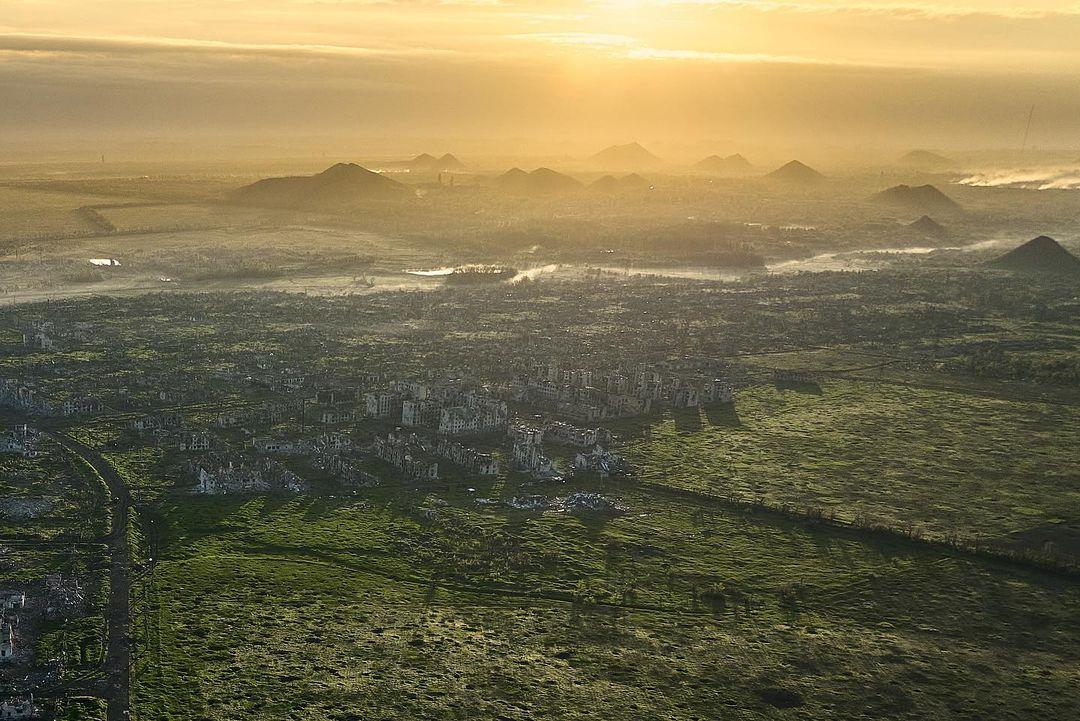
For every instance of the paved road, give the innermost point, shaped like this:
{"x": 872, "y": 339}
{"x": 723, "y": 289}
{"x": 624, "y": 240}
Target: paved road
{"x": 118, "y": 612}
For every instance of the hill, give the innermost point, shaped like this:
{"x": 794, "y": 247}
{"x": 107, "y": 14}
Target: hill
{"x": 423, "y": 161}
{"x": 629, "y": 156}
{"x": 450, "y": 162}
{"x": 929, "y": 227}
{"x": 1041, "y": 255}
{"x": 338, "y": 186}
{"x": 925, "y": 160}
{"x": 730, "y": 165}
{"x": 922, "y": 199}
{"x": 429, "y": 163}
{"x": 627, "y": 183}
{"x": 796, "y": 173}
{"x": 542, "y": 181}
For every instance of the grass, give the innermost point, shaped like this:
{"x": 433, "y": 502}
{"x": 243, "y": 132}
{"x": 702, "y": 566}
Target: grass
{"x": 940, "y": 462}
{"x": 347, "y": 609}
{"x": 78, "y": 642}
{"x": 71, "y": 498}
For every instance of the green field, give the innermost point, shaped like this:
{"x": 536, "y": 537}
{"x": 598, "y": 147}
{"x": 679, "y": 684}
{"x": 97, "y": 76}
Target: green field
{"x": 937, "y": 463}
{"x": 344, "y": 609}
{"x": 50, "y": 499}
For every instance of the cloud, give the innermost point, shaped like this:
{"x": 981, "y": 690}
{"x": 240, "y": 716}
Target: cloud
{"x": 599, "y": 40}
{"x": 1014, "y": 11}
{"x": 32, "y": 43}
{"x": 646, "y": 53}
{"x": 625, "y": 46}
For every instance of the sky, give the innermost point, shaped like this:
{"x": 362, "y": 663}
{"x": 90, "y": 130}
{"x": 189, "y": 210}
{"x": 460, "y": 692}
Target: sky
{"x": 958, "y": 73}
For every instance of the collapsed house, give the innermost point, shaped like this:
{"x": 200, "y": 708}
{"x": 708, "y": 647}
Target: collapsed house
{"x": 224, "y": 477}
{"x": 470, "y": 459}
{"x": 601, "y": 461}
{"x": 582, "y": 395}
{"x": 793, "y": 376}
{"x": 18, "y": 707}
{"x": 21, "y": 440}
{"x": 528, "y": 456}
{"x": 444, "y": 407}
{"x": 63, "y": 596}
{"x": 564, "y": 434}
{"x": 408, "y": 454}
{"x": 7, "y": 638}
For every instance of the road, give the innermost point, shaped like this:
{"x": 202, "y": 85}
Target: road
{"x": 118, "y": 612}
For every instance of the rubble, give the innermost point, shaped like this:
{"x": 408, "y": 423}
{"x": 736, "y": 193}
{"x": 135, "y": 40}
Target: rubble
{"x": 586, "y": 502}
{"x": 24, "y": 508}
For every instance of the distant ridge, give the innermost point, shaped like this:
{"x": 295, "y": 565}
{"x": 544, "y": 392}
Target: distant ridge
{"x": 542, "y": 181}
{"x": 631, "y": 156}
{"x": 429, "y": 163}
{"x": 338, "y": 186}
{"x": 919, "y": 199}
{"x": 929, "y": 227}
{"x": 730, "y": 165}
{"x": 1041, "y": 255}
{"x": 627, "y": 183}
{"x": 925, "y": 160}
{"x": 796, "y": 173}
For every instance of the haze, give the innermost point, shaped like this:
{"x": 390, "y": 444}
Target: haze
{"x": 548, "y": 75}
